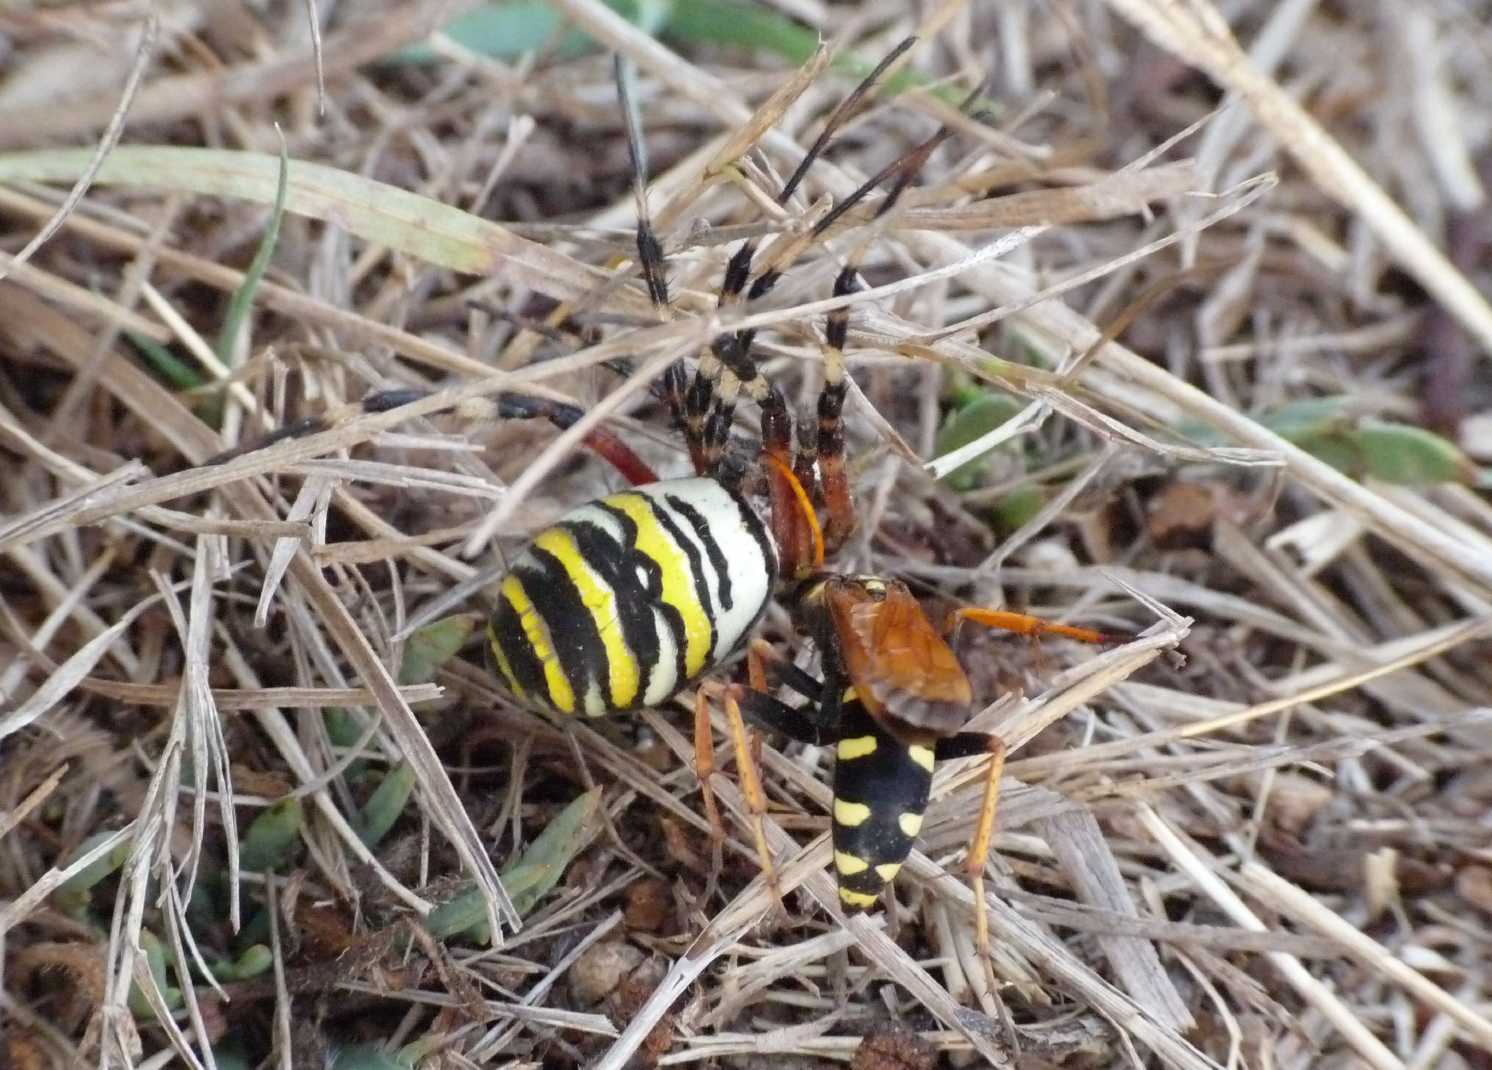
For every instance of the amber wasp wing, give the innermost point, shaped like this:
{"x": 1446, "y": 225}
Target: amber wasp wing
{"x": 901, "y": 667}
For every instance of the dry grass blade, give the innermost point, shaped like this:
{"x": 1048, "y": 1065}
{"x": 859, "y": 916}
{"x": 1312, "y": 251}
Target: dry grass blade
{"x": 1079, "y": 845}
{"x": 1318, "y": 995}
{"x": 144, "y": 54}
{"x": 1093, "y": 344}
{"x": 1200, "y": 36}
{"x": 67, "y": 676}
{"x": 1290, "y": 900}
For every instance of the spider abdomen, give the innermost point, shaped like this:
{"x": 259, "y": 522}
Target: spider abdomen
{"x": 629, "y": 598}
{"x": 881, "y": 787}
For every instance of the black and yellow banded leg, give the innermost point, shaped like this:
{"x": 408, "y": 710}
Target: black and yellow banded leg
{"x": 506, "y": 406}
{"x": 969, "y": 745}
{"x": 829, "y": 442}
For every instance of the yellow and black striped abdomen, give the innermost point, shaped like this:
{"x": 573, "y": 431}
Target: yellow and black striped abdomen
{"x": 881, "y": 787}
{"x": 629, "y": 598}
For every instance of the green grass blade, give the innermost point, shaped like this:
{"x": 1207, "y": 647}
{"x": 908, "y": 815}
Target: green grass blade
{"x": 531, "y": 877}
{"x": 408, "y": 223}
{"x": 242, "y": 301}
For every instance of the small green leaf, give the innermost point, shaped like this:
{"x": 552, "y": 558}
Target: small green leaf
{"x": 1018, "y": 507}
{"x": 255, "y": 960}
{"x": 230, "y": 1057}
{"x": 1399, "y": 453}
{"x": 1336, "y": 448}
{"x": 1308, "y": 417}
{"x": 255, "y": 931}
{"x": 79, "y": 883}
{"x": 508, "y": 30}
{"x": 171, "y": 369}
{"x": 433, "y": 645}
{"x": 756, "y": 25}
{"x": 555, "y": 847}
{"x": 272, "y": 836}
{"x": 155, "y": 958}
{"x": 346, "y": 729}
{"x": 343, "y": 728}
{"x": 1361, "y": 448}
{"x": 978, "y": 418}
{"x": 416, "y": 1050}
{"x": 385, "y": 805}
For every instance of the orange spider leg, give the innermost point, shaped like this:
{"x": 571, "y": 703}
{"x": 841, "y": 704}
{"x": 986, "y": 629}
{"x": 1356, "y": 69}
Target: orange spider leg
{"x": 754, "y": 794}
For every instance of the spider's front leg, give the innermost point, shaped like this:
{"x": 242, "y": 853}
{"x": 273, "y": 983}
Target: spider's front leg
{"x": 829, "y": 448}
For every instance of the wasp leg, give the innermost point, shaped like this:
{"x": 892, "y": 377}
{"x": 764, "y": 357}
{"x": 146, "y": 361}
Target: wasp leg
{"x": 1023, "y": 624}
{"x": 968, "y": 745}
{"x": 806, "y": 724}
{"x": 767, "y": 667}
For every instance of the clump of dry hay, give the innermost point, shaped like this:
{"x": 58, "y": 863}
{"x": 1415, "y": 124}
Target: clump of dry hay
{"x": 1257, "y": 833}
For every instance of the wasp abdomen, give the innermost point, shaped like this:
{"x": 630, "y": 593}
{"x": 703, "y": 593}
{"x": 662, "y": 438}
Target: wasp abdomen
{"x": 881, "y": 786}
{"x": 631, "y": 597}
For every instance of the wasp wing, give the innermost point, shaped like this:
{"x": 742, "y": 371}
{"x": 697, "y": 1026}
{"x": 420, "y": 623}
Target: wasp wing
{"x": 901, "y": 668}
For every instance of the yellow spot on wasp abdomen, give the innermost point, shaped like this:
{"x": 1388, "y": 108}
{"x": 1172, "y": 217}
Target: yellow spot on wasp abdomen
{"x": 888, "y": 871}
{"x": 848, "y": 864}
{"x": 856, "y": 900}
{"x": 923, "y": 756}
{"x": 911, "y": 824}
{"x": 561, "y": 694}
{"x": 850, "y": 814}
{"x": 859, "y": 747}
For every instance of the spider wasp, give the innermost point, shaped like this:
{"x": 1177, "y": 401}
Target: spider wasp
{"x": 629, "y": 599}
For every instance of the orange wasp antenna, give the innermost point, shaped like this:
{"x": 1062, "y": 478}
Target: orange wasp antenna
{"x": 1024, "y": 624}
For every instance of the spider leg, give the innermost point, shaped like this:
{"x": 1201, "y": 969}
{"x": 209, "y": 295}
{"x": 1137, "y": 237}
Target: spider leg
{"x": 829, "y": 447}
{"x": 728, "y": 369}
{"x": 704, "y": 769}
{"x": 505, "y": 406}
{"x": 753, "y": 793}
